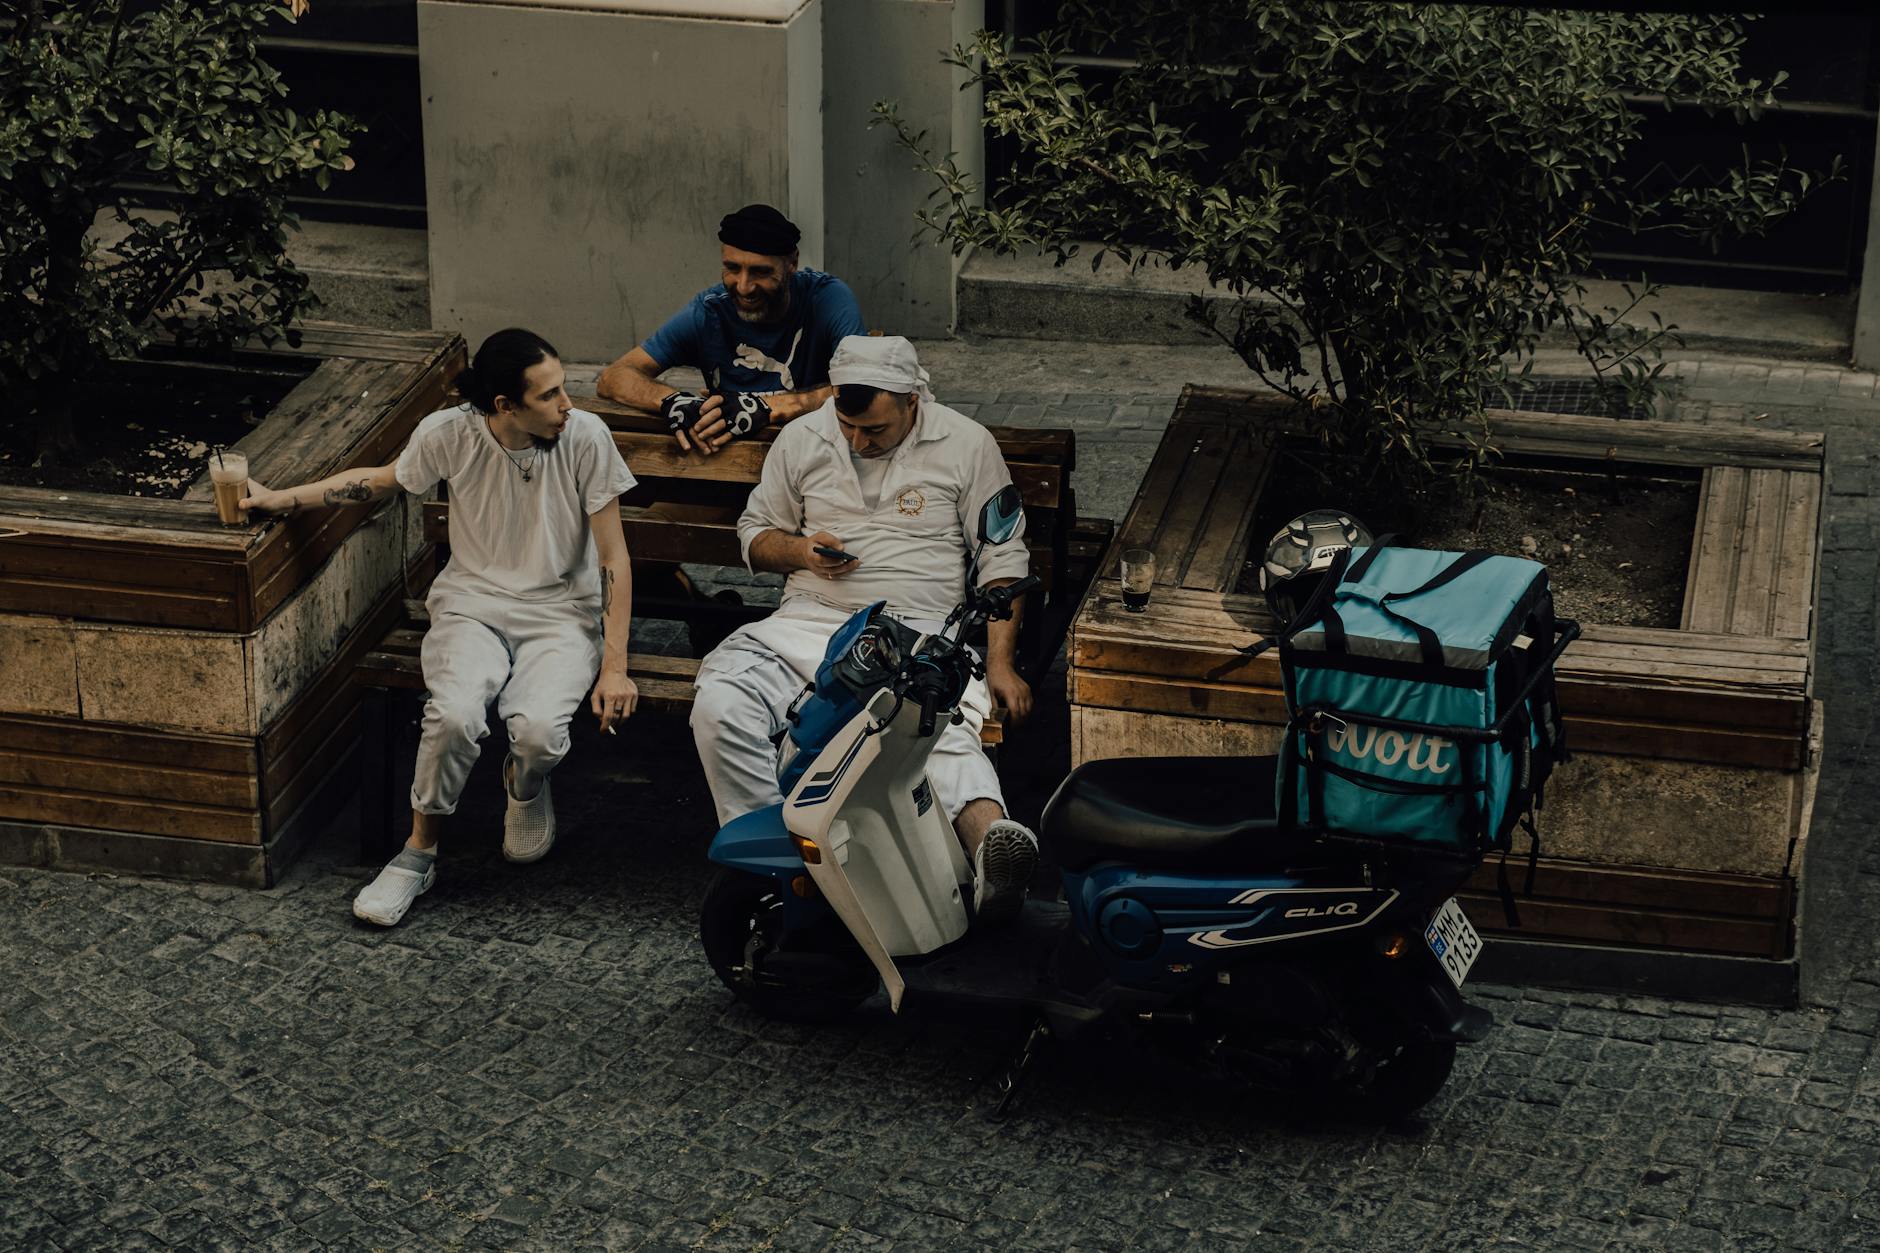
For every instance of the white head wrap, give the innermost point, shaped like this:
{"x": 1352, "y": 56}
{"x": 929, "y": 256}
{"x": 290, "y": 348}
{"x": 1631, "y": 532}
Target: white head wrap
{"x": 885, "y": 361}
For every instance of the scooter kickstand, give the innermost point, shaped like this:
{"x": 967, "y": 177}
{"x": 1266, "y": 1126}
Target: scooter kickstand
{"x": 1012, "y": 1081}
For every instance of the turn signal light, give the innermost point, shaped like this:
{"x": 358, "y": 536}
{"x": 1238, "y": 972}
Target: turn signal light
{"x": 802, "y": 886}
{"x": 1393, "y": 946}
{"x": 812, "y": 856}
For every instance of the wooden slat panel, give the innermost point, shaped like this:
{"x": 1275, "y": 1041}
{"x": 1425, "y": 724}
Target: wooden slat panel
{"x": 1220, "y": 545}
{"x": 1791, "y": 615}
{"x": 1648, "y": 928}
{"x": 1756, "y": 569}
{"x": 1717, "y": 540}
{"x": 1692, "y": 891}
{"x": 132, "y": 519}
{"x": 1198, "y": 698}
{"x": 224, "y": 754}
{"x": 135, "y": 781}
{"x": 91, "y": 809}
{"x": 288, "y": 443}
{"x": 1203, "y": 450}
{"x": 107, "y": 602}
{"x": 340, "y": 339}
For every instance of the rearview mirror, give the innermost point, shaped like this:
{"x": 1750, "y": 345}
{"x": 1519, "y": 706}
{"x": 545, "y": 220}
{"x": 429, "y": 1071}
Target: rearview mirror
{"x": 999, "y": 520}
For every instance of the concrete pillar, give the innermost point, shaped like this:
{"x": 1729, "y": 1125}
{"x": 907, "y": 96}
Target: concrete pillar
{"x": 891, "y": 49}
{"x": 579, "y": 155}
{"x": 1867, "y": 311}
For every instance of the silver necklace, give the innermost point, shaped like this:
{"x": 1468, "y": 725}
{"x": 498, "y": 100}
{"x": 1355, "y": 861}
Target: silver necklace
{"x": 526, "y": 468}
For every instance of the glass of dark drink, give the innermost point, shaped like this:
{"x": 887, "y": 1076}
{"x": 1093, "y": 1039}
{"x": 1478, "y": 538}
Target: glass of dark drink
{"x": 1138, "y": 578}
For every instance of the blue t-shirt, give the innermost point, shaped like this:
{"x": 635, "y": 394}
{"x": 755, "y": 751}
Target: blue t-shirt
{"x": 738, "y": 356}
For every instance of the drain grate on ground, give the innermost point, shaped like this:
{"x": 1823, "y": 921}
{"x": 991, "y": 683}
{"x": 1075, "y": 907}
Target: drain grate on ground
{"x": 1542, "y": 394}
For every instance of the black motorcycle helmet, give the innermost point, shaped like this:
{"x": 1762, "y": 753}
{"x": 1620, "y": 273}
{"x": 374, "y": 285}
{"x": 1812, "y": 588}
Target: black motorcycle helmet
{"x": 1301, "y": 552}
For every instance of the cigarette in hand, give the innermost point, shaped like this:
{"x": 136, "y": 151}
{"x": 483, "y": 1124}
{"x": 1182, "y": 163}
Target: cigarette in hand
{"x": 611, "y": 731}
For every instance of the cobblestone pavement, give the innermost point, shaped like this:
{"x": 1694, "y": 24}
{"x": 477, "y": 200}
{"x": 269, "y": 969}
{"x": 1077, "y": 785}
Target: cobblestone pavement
{"x": 539, "y": 1059}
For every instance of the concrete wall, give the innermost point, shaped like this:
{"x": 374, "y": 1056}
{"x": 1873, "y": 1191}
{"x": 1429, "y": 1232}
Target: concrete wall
{"x": 892, "y": 49}
{"x": 577, "y": 162}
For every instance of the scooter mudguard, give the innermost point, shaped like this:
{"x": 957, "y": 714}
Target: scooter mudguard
{"x": 759, "y": 844}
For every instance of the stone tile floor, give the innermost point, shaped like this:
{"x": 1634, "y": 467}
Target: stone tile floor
{"x": 538, "y": 1058}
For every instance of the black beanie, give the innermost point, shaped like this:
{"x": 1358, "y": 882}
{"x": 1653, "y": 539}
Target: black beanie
{"x": 761, "y": 229}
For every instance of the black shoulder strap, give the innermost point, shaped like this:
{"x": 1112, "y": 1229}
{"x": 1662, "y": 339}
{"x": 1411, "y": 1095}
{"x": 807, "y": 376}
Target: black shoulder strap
{"x": 1378, "y": 545}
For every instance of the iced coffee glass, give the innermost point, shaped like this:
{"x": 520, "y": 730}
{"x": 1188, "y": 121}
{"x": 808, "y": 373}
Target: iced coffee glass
{"x": 229, "y": 472}
{"x": 1138, "y": 578}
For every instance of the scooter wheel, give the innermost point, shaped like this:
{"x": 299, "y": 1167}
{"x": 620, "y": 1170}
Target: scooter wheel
{"x": 741, "y": 925}
{"x": 1406, "y": 1080}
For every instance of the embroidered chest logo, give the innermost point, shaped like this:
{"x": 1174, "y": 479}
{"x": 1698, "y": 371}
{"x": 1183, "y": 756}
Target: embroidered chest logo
{"x": 911, "y": 502}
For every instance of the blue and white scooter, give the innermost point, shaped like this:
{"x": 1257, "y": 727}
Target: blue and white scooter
{"x": 1187, "y": 909}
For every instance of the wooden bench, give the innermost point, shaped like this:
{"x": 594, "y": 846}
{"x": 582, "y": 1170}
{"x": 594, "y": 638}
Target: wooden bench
{"x": 1065, "y": 551}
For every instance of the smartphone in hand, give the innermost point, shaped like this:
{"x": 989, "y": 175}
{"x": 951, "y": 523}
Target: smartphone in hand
{"x": 823, "y": 550}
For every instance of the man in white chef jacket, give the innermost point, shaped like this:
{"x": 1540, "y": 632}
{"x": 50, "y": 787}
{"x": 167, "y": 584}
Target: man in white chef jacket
{"x": 887, "y": 474}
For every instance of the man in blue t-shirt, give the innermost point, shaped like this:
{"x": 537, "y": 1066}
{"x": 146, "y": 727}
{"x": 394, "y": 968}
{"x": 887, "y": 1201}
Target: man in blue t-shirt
{"x": 763, "y": 340}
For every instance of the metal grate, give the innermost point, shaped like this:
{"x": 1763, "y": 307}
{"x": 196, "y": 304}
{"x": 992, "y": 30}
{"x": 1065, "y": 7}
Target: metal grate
{"x": 1579, "y": 396}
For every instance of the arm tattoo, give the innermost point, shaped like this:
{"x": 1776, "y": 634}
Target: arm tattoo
{"x": 354, "y": 493}
{"x": 607, "y": 590}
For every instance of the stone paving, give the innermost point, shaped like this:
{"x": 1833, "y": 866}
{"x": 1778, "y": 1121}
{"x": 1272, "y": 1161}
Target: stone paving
{"x": 538, "y": 1058}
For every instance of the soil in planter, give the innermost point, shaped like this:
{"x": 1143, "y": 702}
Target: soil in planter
{"x": 148, "y": 427}
{"x": 1616, "y": 546}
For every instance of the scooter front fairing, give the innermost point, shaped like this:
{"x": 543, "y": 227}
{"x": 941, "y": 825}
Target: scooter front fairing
{"x": 876, "y": 842}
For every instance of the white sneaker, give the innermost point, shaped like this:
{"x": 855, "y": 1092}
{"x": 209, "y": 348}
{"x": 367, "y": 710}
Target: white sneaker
{"x": 1003, "y": 866}
{"x": 528, "y": 826}
{"x": 405, "y": 878}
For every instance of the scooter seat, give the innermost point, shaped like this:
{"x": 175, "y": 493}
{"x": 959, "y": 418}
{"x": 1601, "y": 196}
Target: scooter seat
{"x": 1178, "y": 813}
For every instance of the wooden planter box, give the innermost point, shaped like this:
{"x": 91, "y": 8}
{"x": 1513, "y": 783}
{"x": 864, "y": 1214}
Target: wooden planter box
{"x": 1676, "y": 831}
{"x": 175, "y": 694}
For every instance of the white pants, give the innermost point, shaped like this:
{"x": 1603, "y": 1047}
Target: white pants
{"x": 536, "y": 661}
{"x": 744, "y": 689}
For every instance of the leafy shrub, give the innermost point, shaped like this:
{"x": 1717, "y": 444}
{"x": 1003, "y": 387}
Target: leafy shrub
{"x": 97, "y": 98}
{"x": 1396, "y": 198}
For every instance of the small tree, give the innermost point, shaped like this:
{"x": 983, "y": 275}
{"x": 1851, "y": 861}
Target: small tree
{"x": 97, "y": 95}
{"x": 1397, "y": 198}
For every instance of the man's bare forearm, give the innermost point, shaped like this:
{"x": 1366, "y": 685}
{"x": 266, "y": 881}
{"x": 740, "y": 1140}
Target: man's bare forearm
{"x": 1002, "y": 635}
{"x": 778, "y": 552}
{"x": 343, "y": 490}
{"x": 629, "y": 386}
{"x": 616, "y": 613}
{"x": 786, "y": 406}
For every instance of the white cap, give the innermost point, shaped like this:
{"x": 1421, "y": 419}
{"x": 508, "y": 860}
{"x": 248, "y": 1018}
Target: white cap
{"x": 885, "y": 361}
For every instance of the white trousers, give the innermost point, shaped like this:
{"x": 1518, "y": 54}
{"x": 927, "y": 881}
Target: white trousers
{"x": 744, "y": 690}
{"x": 536, "y": 662}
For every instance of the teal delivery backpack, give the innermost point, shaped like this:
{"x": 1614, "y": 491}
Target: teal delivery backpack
{"x": 1420, "y": 699}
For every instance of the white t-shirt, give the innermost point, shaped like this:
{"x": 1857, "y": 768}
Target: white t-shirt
{"x": 513, "y": 539}
{"x": 913, "y": 539}
{"x": 870, "y": 474}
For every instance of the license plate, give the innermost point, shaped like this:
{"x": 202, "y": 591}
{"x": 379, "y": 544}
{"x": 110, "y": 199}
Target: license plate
{"x": 1453, "y": 939}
